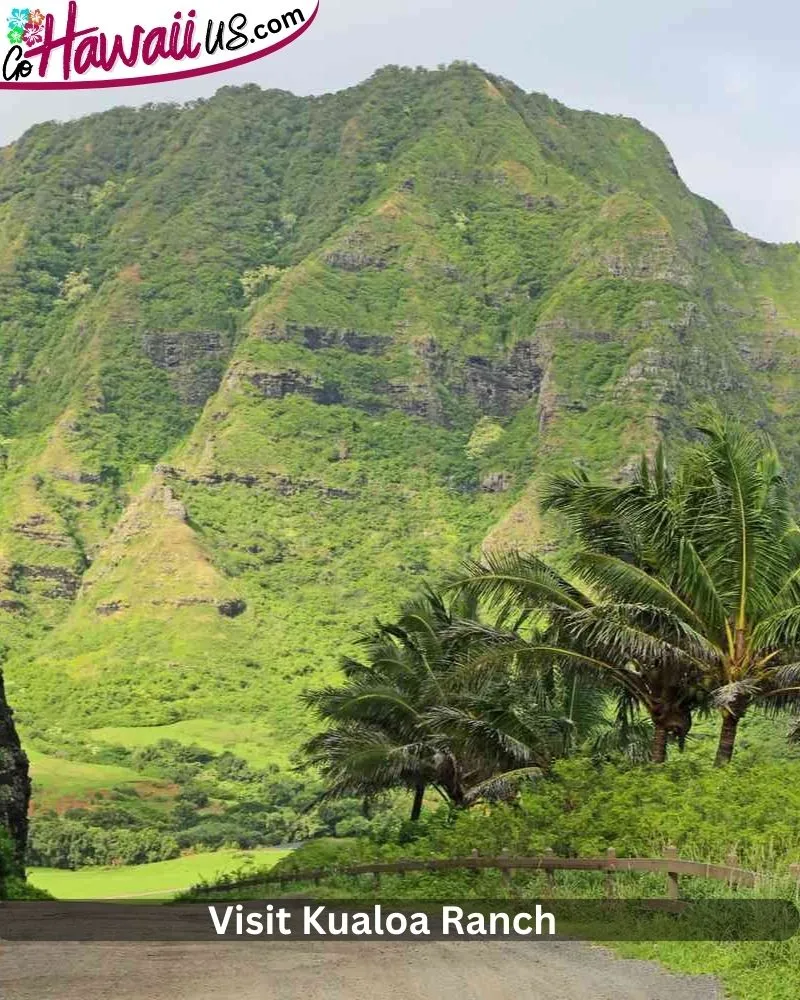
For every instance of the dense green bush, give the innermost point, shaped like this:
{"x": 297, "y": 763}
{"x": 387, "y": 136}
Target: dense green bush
{"x": 12, "y": 884}
{"x": 6, "y": 858}
{"x": 69, "y": 843}
{"x": 749, "y": 808}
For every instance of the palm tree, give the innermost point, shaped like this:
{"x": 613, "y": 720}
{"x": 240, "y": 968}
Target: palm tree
{"x": 375, "y": 739}
{"x": 715, "y": 550}
{"x": 542, "y": 716}
{"x": 386, "y": 722}
{"x": 422, "y": 712}
{"x": 596, "y": 633}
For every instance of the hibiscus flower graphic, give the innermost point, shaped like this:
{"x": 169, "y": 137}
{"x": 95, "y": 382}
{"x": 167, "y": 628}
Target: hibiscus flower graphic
{"x": 36, "y": 17}
{"x": 18, "y": 19}
{"x": 33, "y": 34}
{"x": 15, "y": 36}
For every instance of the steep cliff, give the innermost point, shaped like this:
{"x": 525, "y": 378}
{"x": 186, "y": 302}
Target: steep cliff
{"x": 15, "y": 785}
{"x": 268, "y": 363}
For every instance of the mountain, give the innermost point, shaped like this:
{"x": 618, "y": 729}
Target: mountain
{"x": 269, "y": 363}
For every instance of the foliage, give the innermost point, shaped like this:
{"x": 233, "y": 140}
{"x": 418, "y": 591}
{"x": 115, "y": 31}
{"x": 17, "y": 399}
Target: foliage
{"x": 422, "y": 710}
{"x": 7, "y": 859}
{"x": 708, "y": 813}
{"x": 453, "y": 285}
{"x": 559, "y": 620}
{"x": 583, "y": 809}
{"x": 12, "y": 885}
{"x": 202, "y": 800}
{"x": 69, "y": 843}
{"x": 681, "y": 593}
{"x": 708, "y": 559}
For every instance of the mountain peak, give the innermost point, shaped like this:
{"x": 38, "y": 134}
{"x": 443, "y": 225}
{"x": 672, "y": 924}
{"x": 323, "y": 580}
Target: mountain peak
{"x": 269, "y": 362}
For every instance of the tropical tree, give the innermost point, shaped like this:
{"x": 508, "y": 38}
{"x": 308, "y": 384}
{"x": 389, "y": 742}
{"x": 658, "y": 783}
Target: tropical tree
{"x": 377, "y": 734}
{"x": 560, "y": 622}
{"x": 548, "y": 714}
{"x": 422, "y": 711}
{"x": 714, "y": 552}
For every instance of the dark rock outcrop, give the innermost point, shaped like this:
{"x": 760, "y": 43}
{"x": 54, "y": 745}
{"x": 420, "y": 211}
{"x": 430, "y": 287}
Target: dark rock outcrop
{"x": 283, "y": 485}
{"x": 15, "y": 782}
{"x": 317, "y": 338}
{"x": 232, "y": 608}
{"x": 500, "y": 388}
{"x": 496, "y": 482}
{"x": 13, "y": 607}
{"x": 110, "y": 608}
{"x": 39, "y": 529}
{"x": 193, "y": 361}
{"x": 493, "y": 386}
{"x": 277, "y": 385}
{"x": 354, "y": 260}
{"x": 63, "y": 583}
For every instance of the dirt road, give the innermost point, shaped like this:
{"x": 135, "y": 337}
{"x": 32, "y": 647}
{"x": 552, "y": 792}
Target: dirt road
{"x": 344, "y": 971}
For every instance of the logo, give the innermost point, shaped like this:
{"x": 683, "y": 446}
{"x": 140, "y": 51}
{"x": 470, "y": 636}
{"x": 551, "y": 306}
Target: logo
{"x": 93, "y": 44}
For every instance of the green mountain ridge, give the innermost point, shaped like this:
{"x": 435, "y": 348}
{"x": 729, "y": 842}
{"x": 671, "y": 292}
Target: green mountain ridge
{"x": 270, "y": 362}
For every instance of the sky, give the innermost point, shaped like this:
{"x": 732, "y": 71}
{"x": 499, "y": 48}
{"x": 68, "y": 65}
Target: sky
{"x": 718, "y": 81}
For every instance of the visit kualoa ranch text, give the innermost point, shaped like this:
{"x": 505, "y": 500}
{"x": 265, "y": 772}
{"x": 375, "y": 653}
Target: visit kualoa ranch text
{"x": 82, "y": 49}
{"x": 318, "y": 921}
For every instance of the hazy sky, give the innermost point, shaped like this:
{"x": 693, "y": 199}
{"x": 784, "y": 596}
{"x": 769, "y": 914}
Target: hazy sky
{"x": 719, "y": 81}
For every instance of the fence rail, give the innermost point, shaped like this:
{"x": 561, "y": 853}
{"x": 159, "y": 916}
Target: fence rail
{"x": 671, "y": 866}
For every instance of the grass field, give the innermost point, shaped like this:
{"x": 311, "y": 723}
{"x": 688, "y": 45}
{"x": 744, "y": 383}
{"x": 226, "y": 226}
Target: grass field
{"x": 61, "y": 784}
{"x": 246, "y": 740}
{"x": 157, "y": 881}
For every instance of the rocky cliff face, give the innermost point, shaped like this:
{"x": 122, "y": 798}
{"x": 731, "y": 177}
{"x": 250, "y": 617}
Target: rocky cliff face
{"x": 195, "y": 362}
{"x": 15, "y": 784}
{"x": 269, "y": 363}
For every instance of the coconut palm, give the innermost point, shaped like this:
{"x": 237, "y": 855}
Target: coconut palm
{"x": 375, "y": 738}
{"x": 714, "y": 550}
{"x": 561, "y": 621}
{"x": 386, "y": 724}
{"x": 421, "y": 712}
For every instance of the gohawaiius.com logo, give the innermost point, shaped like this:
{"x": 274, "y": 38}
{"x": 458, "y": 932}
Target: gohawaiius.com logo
{"x": 95, "y": 44}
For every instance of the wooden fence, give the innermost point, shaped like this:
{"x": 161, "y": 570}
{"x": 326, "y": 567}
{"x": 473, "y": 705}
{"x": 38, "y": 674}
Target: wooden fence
{"x": 672, "y": 866}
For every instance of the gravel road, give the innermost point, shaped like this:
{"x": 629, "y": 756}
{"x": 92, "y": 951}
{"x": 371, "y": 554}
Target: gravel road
{"x": 340, "y": 971}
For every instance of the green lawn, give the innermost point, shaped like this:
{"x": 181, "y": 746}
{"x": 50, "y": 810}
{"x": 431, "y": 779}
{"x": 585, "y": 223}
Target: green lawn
{"x": 157, "y": 881}
{"x": 64, "y": 783}
{"x": 247, "y": 740}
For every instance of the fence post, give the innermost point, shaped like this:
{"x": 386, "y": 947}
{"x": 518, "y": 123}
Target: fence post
{"x": 508, "y": 872}
{"x": 475, "y": 854}
{"x": 550, "y": 873}
{"x": 673, "y": 890}
{"x": 732, "y": 862}
{"x": 611, "y": 857}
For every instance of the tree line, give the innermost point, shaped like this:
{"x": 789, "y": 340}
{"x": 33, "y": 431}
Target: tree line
{"x": 678, "y": 596}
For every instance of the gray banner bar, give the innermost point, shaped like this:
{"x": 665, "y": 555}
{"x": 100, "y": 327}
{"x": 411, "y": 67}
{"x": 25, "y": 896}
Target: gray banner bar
{"x": 425, "y": 920}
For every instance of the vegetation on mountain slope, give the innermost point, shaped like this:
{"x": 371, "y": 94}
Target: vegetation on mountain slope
{"x": 269, "y": 362}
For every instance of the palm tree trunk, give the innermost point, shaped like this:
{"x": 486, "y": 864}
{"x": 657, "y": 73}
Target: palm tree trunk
{"x": 416, "y": 809}
{"x": 658, "y": 751}
{"x": 727, "y": 738}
